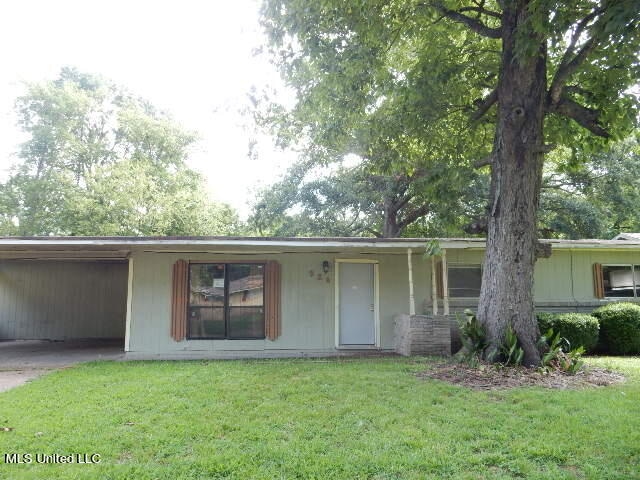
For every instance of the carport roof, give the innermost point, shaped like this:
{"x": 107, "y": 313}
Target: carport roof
{"x": 119, "y": 248}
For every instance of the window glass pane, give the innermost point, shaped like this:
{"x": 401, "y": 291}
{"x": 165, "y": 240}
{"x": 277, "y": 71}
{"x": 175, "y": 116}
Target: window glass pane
{"x": 464, "y": 281}
{"x": 246, "y": 285}
{"x": 618, "y": 281}
{"x": 246, "y": 322}
{"x": 206, "y": 322}
{"x": 226, "y": 301}
{"x": 206, "y": 283}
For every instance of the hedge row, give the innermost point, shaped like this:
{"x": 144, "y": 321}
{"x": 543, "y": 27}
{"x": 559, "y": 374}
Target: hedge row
{"x": 619, "y": 328}
{"x": 612, "y": 329}
{"x": 578, "y": 328}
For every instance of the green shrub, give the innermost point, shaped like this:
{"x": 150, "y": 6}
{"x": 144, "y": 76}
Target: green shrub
{"x": 555, "y": 358}
{"x": 551, "y": 346}
{"x": 619, "y": 328}
{"x": 474, "y": 339}
{"x": 512, "y": 353}
{"x": 579, "y": 329}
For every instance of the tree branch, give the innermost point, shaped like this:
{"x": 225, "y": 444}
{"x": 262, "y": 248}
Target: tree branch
{"x": 484, "y": 105}
{"x": 565, "y": 70}
{"x": 481, "y": 11}
{"x": 566, "y": 187}
{"x": 402, "y": 202}
{"x": 414, "y": 215}
{"x": 375, "y": 233}
{"x": 483, "y": 162}
{"x": 578, "y": 32}
{"x": 475, "y": 25}
{"x": 586, "y": 117}
{"x": 571, "y": 63}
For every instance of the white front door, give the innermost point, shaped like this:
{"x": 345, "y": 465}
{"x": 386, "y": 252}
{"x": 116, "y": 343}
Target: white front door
{"x": 357, "y": 304}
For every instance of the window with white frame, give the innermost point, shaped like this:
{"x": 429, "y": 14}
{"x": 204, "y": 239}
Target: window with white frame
{"x": 621, "y": 280}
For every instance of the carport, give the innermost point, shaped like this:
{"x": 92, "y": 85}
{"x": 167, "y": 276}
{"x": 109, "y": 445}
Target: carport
{"x": 63, "y": 291}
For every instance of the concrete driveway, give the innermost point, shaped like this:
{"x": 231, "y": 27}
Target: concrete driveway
{"x": 24, "y": 360}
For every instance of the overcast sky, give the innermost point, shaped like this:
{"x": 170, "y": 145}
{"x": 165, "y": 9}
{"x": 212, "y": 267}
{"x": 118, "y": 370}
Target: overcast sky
{"x": 193, "y": 58}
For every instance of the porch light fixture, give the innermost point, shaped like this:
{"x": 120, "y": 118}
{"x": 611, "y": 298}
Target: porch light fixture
{"x": 325, "y": 266}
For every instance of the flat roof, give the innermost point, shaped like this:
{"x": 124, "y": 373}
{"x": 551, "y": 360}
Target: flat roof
{"x": 462, "y": 242}
{"x": 216, "y": 239}
{"x": 121, "y": 246}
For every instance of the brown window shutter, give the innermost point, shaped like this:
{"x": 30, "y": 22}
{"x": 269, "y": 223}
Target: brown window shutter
{"x": 598, "y": 280}
{"x": 439, "y": 288}
{"x": 179, "y": 299}
{"x": 272, "y": 321}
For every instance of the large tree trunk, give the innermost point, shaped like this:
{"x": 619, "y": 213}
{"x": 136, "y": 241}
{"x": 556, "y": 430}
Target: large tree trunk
{"x": 390, "y": 227}
{"x": 506, "y": 297}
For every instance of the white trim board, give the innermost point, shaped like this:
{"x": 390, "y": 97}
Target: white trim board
{"x": 127, "y": 331}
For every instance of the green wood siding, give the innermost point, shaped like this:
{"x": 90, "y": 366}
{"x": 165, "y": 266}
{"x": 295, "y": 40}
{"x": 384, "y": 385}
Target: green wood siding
{"x": 57, "y": 300}
{"x": 308, "y": 303}
{"x": 563, "y": 281}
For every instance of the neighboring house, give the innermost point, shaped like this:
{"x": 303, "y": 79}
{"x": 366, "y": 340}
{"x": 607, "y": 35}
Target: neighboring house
{"x": 179, "y": 297}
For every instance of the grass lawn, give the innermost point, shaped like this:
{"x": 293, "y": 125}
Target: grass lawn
{"x": 324, "y": 419}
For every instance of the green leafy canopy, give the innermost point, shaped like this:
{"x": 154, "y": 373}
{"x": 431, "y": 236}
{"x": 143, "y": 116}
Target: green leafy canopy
{"x": 100, "y": 161}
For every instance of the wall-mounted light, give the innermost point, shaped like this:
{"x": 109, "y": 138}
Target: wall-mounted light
{"x": 325, "y": 266}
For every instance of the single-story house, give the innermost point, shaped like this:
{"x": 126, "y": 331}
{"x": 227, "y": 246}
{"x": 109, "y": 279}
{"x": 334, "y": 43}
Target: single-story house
{"x": 190, "y": 297}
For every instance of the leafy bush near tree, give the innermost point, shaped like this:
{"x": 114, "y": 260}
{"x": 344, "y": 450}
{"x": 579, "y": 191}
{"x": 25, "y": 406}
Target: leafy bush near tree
{"x": 473, "y": 337}
{"x": 619, "y": 328}
{"x": 557, "y": 354}
{"x": 579, "y": 329}
{"x": 611, "y": 329}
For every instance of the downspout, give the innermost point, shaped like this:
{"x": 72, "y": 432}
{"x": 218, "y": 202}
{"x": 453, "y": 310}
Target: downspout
{"x": 412, "y": 302}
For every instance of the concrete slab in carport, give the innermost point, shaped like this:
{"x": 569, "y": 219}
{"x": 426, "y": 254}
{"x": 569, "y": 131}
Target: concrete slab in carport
{"x": 24, "y": 360}
{"x": 15, "y": 378}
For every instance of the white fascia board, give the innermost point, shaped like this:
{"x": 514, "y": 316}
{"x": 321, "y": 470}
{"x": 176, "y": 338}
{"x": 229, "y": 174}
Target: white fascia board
{"x": 452, "y": 243}
{"x": 446, "y": 243}
{"x": 607, "y": 245}
{"x": 417, "y": 244}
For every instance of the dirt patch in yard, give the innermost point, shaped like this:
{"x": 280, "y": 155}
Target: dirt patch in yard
{"x": 492, "y": 377}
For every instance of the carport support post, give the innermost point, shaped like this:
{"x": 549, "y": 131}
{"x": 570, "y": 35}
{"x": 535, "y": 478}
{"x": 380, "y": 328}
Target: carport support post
{"x": 412, "y": 302}
{"x": 445, "y": 283}
{"x": 434, "y": 285}
{"x": 127, "y": 330}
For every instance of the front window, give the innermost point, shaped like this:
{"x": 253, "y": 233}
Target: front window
{"x": 226, "y": 300}
{"x": 621, "y": 280}
{"x": 464, "y": 280}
